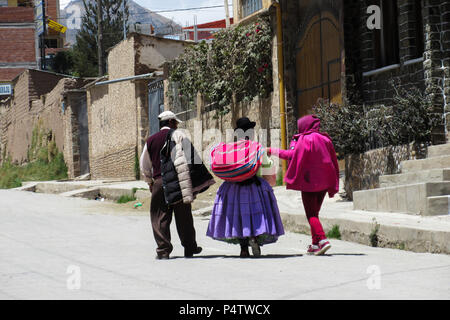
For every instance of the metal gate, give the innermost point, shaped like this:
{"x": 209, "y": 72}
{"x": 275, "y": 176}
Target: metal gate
{"x": 155, "y": 104}
{"x": 319, "y": 62}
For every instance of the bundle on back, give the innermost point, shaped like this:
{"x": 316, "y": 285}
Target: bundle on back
{"x": 236, "y": 161}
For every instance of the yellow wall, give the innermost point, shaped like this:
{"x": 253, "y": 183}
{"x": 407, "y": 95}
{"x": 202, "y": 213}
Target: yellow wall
{"x": 12, "y": 3}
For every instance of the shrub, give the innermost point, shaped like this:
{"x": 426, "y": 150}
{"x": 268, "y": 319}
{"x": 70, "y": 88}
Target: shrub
{"x": 45, "y": 162}
{"x": 126, "y": 199}
{"x": 9, "y": 179}
{"x": 237, "y": 63}
{"x": 355, "y": 129}
{"x": 334, "y": 233}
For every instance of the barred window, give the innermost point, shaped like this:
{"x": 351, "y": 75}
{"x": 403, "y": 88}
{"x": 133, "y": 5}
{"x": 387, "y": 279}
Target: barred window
{"x": 251, "y": 6}
{"x": 387, "y": 39}
{"x": 419, "y": 29}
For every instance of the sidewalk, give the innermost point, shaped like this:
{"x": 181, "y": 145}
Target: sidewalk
{"x": 396, "y": 230}
{"x": 399, "y": 231}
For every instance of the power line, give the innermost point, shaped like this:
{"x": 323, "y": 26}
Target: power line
{"x": 189, "y": 9}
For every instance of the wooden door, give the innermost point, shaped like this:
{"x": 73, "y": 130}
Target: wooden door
{"x": 319, "y": 62}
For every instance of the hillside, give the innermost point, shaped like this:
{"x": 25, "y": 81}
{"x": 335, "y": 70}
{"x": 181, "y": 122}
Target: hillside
{"x": 71, "y": 15}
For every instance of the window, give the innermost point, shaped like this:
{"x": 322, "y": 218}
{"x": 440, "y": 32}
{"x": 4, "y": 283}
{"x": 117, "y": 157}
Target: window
{"x": 51, "y": 43}
{"x": 419, "y": 29}
{"x": 386, "y": 39}
{"x": 25, "y": 3}
{"x": 250, "y": 6}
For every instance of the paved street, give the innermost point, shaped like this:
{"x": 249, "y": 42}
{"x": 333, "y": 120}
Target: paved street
{"x": 52, "y": 247}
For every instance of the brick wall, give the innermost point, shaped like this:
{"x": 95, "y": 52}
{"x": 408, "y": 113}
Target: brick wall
{"x": 112, "y": 130}
{"x": 16, "y": 14}
{"x": 52, "y": 10}
{"x": 18, "y": 45}
{"x": 8, "y": 74}
{"x": 445, "y": 41}
{"x": 373, "y": 89}
{"x": 20, "y": 123}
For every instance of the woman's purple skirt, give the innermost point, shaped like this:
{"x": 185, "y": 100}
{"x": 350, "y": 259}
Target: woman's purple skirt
{"x": 242, "y": 211}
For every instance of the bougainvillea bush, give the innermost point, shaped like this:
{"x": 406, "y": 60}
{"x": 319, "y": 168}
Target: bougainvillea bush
{"x": 237, "y": 62}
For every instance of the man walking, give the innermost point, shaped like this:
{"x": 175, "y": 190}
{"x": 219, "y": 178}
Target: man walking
{"x": 164, "y": 194}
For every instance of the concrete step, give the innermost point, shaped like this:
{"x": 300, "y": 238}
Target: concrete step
{"x": 440, "y": 162}
{"x": 57, "y": 187}
{"x": 438, "y": 205}
{"x": 439, "y": 150}
{"x": 410, "y": 199}
{"x": 433, "y": 175}
{"x": 88, "y": 193}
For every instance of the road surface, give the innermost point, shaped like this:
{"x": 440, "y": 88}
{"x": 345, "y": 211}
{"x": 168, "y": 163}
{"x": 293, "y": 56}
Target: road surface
{"x": 52, "y": 247}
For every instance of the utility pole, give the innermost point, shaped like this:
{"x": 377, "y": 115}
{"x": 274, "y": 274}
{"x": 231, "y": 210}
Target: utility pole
{"x": 124, "y": 23}
{"x": 227, "y": 14}
{"x": 43, "y": 64}
{"x": 195, "y": 30}
{"x": 100, "y": 38}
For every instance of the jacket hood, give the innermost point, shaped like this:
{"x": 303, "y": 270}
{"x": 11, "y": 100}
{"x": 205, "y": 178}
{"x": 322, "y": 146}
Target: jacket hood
{"x": 308, "y": 124}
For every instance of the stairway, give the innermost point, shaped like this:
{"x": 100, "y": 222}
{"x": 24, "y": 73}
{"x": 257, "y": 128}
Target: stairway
{"x": 423, "y": 187}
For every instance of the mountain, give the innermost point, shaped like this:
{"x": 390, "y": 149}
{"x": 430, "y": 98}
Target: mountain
{"x": 71, "y": 15}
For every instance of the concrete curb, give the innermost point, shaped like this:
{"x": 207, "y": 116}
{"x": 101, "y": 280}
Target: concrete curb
{"x": 388, "y": 236}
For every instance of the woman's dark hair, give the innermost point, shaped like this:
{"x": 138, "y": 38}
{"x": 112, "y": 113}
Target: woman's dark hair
{"x": 164, "y": 123}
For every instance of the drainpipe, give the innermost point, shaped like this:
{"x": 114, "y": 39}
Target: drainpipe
{"x": 281, "y": 82}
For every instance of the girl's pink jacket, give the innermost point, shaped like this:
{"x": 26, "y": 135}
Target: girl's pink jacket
{"x": 313, "y": 164}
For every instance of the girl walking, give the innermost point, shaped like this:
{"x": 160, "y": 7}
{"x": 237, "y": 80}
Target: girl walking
{"x": 313, "y": 169}
{"x": 245, "y": 212}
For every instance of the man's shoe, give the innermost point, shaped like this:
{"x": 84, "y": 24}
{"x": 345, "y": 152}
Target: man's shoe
{"x": 162, "y": 257}
{"x": 190, "y": 253}
{"x": 324, "y": 245}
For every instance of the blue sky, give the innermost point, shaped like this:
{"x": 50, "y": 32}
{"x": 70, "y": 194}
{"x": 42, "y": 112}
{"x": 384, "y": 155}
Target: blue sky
{"x": 183, "y": 17}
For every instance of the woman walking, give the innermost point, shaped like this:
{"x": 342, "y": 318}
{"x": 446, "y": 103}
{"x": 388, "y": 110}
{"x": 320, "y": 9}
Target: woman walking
{"x": 246, "y": 212}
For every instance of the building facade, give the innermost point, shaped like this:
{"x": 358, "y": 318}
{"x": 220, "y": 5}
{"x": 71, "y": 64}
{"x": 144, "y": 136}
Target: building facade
{"x": 330, "y": 52}
{"x": 19, "y": 41}
{"x": 123, "y": 108}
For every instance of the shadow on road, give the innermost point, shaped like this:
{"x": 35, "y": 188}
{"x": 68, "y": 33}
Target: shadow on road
{"x": 343, "y": 254}
{"x": 216, "y": 256}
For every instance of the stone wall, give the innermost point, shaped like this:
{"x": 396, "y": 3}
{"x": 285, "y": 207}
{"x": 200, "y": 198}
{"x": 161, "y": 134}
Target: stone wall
{"x": 362, "y": 171}
{"x": 38, "y": 99}
{"x": 34, "y": 98}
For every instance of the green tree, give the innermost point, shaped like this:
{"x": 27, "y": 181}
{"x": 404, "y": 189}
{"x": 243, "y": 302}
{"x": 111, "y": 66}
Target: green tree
{"x": 86, "y": 47}
{"x": 63, "y": 62}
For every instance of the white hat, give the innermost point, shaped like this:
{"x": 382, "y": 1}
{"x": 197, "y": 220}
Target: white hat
{"x": 168, "y": 115}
